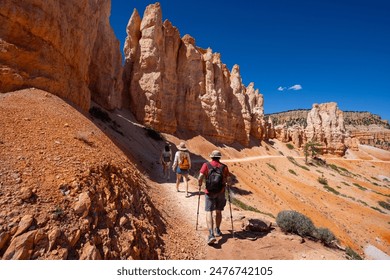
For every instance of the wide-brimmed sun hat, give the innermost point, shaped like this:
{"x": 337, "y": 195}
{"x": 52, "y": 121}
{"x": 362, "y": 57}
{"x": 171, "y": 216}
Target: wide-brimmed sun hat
{"x": 182, "y": 146}
{"x": 215, "y": 154}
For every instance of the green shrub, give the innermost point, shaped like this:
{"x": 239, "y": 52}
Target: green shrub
{"x": 322, "y": 180}
{"x": 377, "y": 209}
{"x": 271, "y": 166}
{"x": 235, "y": 201}
{"x": 359, "y": 186}
{"x": 352, "y": 255}
{"x": 362, "y": 202}
{"x": 333, "y": 166}
{"x": 292, "y": 172}
{"x": 293, "y": 222}
{"x": 304, "y": 167}
{"x": 384, "y": 204}
{"x": 290, "y": 146}
{"x": 325, "y": 236}
{"x": 293, "y": 161}
{"x": 331, "y": 189}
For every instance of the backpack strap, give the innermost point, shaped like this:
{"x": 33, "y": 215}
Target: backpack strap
{"x": 210, "y": 167}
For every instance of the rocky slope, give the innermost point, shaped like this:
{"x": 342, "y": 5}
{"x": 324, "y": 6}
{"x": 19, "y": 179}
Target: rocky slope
{"x": 65, "y": 47}
{"x": 66, "y": 191}
{"x": 174, "y": 85}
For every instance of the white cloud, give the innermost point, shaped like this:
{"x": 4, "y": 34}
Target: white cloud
{"x": 295, "y": 87}
{"x": 281, "y": 88}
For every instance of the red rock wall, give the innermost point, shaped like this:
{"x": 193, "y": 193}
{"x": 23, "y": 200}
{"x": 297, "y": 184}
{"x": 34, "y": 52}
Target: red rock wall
{"x": 65, "y": 47}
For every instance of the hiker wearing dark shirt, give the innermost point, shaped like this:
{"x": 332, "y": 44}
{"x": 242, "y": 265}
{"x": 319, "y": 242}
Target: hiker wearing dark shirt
{"x": 166, "y": 159}
{"x": 214, "y": 201}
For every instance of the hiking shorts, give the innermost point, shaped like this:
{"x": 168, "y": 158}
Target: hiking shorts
{"x": 215, "y": 201}
{"x": 182, "y": 171}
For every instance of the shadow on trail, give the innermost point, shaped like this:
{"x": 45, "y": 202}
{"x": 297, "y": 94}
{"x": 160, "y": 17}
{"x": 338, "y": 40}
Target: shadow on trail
{"x": 239, "y": 235}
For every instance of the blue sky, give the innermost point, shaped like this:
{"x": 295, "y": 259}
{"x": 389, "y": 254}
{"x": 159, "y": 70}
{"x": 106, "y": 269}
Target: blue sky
{"x": 296, "y": 52}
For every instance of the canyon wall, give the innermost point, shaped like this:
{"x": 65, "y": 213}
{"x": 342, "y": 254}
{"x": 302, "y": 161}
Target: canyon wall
{"x": 172, "y": 85}
{"x": 64, "y": 47}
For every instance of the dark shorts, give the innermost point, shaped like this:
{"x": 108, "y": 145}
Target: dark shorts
{"x": 215, "y": 201}
{"x": 181, "y": 171}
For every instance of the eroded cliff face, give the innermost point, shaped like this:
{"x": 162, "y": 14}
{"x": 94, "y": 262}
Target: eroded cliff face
{"x": 65, "y": 47}
{"x": 173, "y": 85}
{"x": 324, "y": 125}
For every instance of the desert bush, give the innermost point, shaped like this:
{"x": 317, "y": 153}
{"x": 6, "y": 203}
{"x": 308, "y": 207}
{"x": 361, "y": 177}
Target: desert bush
{"x": 322, "y": 180}
{"x": 293, "y": 161}
{"x": 384, "y": 204}
{"x": 292, "y": 172}
{"x": 352, "y": 255}
{"x": 377, "y": 209}
{"x": 359, "y": 186}
{"x": 271, "y": 166}
{"x": 290, "y": 146}
{"x": 293, "y": 222}
{"x": 331, "y": 189}
{"x": 325, "y": 236}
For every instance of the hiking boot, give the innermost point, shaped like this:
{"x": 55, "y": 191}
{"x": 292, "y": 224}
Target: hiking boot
{"x": 217, "y": 232}
{"x": 211, "y": 240}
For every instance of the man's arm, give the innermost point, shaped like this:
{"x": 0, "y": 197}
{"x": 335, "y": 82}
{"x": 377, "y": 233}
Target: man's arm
{"x": 200, "y": 179}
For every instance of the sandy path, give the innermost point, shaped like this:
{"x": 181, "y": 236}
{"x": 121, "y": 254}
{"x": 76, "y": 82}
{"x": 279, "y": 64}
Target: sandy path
{"x": 182, "y": 239}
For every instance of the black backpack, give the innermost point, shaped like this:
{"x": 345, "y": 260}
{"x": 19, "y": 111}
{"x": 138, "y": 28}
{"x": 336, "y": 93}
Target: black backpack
{"x": 214, "y": 180}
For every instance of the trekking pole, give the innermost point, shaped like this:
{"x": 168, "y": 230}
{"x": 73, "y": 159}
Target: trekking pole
{"x": 197, "y": 212}
{"x": 230, "y": 206}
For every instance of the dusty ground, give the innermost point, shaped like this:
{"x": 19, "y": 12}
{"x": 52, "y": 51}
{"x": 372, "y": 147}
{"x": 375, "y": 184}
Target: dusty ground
{"x": 265, "y": 179}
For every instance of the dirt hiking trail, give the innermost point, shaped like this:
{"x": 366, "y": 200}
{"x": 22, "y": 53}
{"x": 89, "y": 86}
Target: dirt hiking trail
{"x": 183, "y": 240}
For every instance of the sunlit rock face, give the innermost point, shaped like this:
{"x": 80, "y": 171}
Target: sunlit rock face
{"x": 325, "y": 125}
{"x": 64, "y": 47}
{"x": 173, "y": 85}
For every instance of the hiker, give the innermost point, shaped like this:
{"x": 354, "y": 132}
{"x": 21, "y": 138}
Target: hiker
{"x": 217, "y": 176}
{"x": 182, "y": 165}
{"x": 166, "y": 159}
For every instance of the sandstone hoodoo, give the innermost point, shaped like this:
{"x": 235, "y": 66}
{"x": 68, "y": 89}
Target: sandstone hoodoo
{"x": 334, "y": 129}
{"x": 174, "y": 85}
{"x": 325, "y": 125}
{"x": 65, "y": 47}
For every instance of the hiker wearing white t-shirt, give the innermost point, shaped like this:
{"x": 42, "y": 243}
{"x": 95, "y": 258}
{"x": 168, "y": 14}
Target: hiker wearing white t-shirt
{"x": 182, "y": 165}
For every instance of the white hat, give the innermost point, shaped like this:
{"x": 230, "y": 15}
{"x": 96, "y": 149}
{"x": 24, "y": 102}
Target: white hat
{"x": 215, "y": 154}
{"x": 182, "y": 146}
